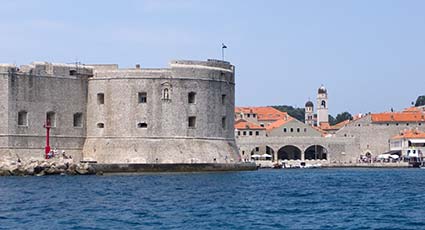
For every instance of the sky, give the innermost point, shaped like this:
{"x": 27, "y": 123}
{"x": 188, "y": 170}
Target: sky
{"x": 370, "y": 55}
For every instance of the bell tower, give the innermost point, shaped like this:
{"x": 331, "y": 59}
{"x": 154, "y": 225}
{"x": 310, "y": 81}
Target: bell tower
{"x": 322, "y": 106}
{"x": 309, "y": 113}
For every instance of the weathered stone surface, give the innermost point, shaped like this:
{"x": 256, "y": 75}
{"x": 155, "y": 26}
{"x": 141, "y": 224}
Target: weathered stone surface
{"x": 120, "y": 127}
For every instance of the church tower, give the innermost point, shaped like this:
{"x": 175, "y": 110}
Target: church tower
{"x": 309, "y": 113}
{"x": 322, "y": 106}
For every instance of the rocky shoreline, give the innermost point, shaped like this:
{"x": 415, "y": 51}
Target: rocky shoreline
{"x": 55, "y": 166}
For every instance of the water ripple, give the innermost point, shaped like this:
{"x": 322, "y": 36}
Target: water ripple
{"x": 267, "y": 199}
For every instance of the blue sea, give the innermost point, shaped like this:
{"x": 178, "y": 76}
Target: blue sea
{"x": 264, "y": 199}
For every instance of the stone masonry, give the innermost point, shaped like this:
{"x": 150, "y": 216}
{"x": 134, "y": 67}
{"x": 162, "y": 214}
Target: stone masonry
{"x": 181, "y": 114}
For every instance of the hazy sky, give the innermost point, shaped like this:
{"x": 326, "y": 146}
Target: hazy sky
{"x": 370, "y": 55}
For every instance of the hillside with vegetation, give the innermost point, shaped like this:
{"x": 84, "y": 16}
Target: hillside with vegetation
{"x": 299, "y": 114}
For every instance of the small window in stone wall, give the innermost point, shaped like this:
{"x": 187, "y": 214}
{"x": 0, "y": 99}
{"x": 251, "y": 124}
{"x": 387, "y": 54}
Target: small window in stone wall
{"x": 78, "y": 120}
{"x": 100, "y": 98}
{"x": 239, "y": 133}
{"x": 250, "y": 133}
{"x": 143, "y": 97}
{"x": 244, "y": 133}
{"x": 292, "y": 130}
{"x": 192, "y": 122}
{"x": 142, "y": 125}
{"x": 257, "y": 149}
{"x": 298, "y": 130}
{"x": 22, "y": 118}
{"x": 191, "y": 98}
{"x": 223, "y": 99}
{"x": 73, "y": 72}
{"x": 257, "y": 133}
{"x": 100, "y": 125}
{"x": 223, "y": 122}
{"x": 51, "y": 118}
{"x": 166, "y": 94}
{"x": 305, "y": 130}
{"x": 284, "y": 129}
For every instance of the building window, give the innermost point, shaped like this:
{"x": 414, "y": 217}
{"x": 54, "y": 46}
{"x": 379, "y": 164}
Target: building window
{"x": 223, "y": 99}
{"x": 396, "y": 124}
{"x": 166, "y": 94}
{"x": 192, "y": 122}
{"x": 73, "y": 72}
{"x": 248, "y": 115}
{"x": 250, "y": 133}
{"x": 388, "y": 124}
{"x": 257, "y": 149}
{"x": 239, "y": 133}
{"x": 407, "y": 124}
{"x": 243, "y": 152}
{"x": 292, "y": 130}
{"x": 51, "y": 118}
{"x": 78, "y": 120}
{"x": 257, "y": 133}
{"x": 22, "y": 118}
{"x": 143, "y": 97}
{"x": 223, "y": 122}
{"x": 191, "y": 98}
{"x": 244, "y": 133}
{"x": 142, "y": 125}
{"x": 254, "y": 115}
{"x": 298, "y": 130}
{"x": 100, "y": 125}
{"x": 284, "y": 130}
{"x": 305, "y": 130}
{"x": 420, "y": 124}
{"x": 100, "y": 98}
{"x": 262, "y": 125}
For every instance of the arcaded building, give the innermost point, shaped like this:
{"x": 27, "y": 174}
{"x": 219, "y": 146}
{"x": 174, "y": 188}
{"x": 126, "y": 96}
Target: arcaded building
{"x": 180, "y": 114}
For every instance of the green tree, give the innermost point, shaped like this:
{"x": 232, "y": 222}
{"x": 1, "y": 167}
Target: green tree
{"x": 420, "y": 101}
{"x": 297, "y": 113}
{"x": 342, "y": 117}
{"x": 331, "y": 120}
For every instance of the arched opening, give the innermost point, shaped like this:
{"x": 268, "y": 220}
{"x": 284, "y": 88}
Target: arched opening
{"x": 323, "y": 104}
{"x": 262, "y": 153}
{"x": 316, "y": 152}
{"x": 289, "y": 152}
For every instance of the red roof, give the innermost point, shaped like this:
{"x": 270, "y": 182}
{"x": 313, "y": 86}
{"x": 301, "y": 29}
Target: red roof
{"x": 242, "y": 124}
{"x": 410, "y": 134}
{"x": 263, "y": 113}
{"x": 278, "y": 123}
{"x": 406, "y": 116}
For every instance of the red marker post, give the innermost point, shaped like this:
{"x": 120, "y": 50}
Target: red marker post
{"x": 47, "y": 148}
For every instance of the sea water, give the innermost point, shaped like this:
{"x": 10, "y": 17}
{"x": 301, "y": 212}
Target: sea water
{"x": 264, "y": 199}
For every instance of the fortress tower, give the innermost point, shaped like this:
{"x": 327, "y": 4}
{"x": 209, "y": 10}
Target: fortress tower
{"x": 180, "y": 114}
{"x": 309, "y": 113}
{"x": 322, "y": 106}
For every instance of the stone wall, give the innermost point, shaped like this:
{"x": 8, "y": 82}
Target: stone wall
{"x": 374, "y": 137}
{"x": 340, "y": 149}
{"x": 294, "y": 128}
{"x": 40, "y": 88}
{"x": 4, "y": 108}
{"x": 157, "y": 129}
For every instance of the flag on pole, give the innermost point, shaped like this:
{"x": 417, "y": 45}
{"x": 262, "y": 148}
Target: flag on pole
{"x": 223, "y": 46}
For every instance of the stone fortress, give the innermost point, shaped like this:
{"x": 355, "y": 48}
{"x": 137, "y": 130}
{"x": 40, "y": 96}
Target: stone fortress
{"x": 180, "y": 114}
{"x": 268, "y": 135}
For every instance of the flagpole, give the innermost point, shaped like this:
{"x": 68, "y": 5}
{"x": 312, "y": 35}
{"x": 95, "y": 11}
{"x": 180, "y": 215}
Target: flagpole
{"x": 223, "y": 46}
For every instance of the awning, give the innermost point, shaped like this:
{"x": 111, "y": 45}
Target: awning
{"x": 417, "y": 141}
